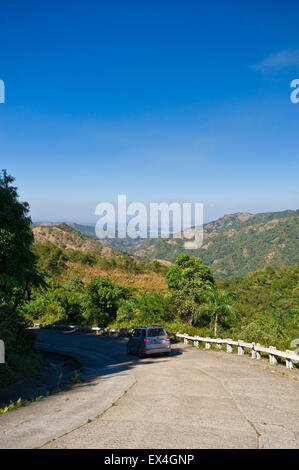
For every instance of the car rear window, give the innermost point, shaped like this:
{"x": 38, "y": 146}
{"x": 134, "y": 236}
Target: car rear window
{"x": 156, "y": 332}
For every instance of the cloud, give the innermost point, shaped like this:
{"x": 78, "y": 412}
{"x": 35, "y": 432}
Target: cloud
{"x": 283, "y": 59}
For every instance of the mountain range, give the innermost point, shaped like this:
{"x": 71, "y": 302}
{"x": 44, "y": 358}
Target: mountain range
{"x": 233, "y": 245}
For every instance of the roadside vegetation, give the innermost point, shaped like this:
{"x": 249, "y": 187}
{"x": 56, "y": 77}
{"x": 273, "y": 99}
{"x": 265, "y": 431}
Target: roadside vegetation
{"x": 263, "y": 307}
{"x": 267, "y": 303}
{"x": 18, "y": 276}
{"x": 44, "y": 283}
{"x": 129, "y": 271}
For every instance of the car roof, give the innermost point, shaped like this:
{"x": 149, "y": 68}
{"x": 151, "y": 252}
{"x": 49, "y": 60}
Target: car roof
{"x": 148, "y": 327}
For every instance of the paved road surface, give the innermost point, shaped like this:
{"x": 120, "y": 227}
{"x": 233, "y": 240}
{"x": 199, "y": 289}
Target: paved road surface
{"x": 192, "y": 399}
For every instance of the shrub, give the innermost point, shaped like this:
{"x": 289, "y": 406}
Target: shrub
{"x": 146, "y": 309}
{"x": 45, "y": 307}
{"x": 103, "y": 297}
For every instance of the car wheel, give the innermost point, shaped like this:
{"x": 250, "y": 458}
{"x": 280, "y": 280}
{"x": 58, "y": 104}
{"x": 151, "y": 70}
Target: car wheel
{"x": 167, "y": 353}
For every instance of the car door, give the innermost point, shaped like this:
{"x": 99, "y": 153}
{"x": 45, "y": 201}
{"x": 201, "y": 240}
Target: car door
{"x": 135, "y": 340}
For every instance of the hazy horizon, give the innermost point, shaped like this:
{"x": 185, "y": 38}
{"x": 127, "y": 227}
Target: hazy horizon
{"x": 92, "y": 223}
{"x": 163, "y": 102}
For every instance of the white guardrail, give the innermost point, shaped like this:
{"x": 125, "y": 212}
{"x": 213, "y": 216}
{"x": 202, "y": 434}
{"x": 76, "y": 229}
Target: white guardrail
{"x": 255, "y": 349}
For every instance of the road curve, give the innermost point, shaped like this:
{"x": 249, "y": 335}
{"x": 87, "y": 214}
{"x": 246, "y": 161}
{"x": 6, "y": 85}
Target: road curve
{"x": 192, "y": 399}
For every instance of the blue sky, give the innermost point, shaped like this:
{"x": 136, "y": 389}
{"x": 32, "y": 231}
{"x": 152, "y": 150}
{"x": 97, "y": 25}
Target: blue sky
{"x": 163, "y": 101}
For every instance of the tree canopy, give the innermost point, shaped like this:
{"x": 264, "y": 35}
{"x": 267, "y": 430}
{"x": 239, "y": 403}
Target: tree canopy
{"x": 186, "y": 280}
{"x": 17, "y": 261}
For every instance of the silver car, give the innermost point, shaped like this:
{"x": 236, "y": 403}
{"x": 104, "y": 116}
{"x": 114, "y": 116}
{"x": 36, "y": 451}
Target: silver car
{"x": 149, "y": 340}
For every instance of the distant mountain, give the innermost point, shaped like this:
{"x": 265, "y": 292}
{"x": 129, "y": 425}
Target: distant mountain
{"x": 65, "y": 236}
{"x": 237, "y": 244}
{"x": 126, "y": 245}
{"x": 233, "y": 245}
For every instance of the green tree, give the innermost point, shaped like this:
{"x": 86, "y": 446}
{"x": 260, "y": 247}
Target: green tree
{"x": 74, "y": 283}
{"x": 74, "y": 302}
{"x": 186, "y": 281}
{"x": 218, "y": 306}
{"x": 51, "y": 258}
{"x": 21, "y": 358}
{"x": 128, "y": 310}
{"x": 18, "y": 273}
{"x": 103, "y": 298}
{"x": 145, "y": 309}
{"x": 18, "y": 270}
{"x": 46, "y": 308}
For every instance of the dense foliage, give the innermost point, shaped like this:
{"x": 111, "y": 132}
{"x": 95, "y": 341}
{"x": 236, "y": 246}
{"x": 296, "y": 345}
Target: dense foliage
{"x": 18, "y": 274}
{"x": 187, "y": 280}
{"x": 217, "y": 306}
{"x": 21, "y": 357}
{"x": 268, "y": 305}
{"x": 17, "y": 262}
{"x": 262, "y": 307}
{"x": 52, "y": 260}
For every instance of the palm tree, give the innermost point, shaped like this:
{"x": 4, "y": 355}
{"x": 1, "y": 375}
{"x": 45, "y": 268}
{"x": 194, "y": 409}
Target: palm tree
{"x": 219, "y": 306}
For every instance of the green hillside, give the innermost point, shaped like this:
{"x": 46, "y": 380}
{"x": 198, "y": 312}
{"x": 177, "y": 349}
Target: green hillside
{"x": 267, "y": 303}
{"x": 233, "y": 245}
{"x": 253, "y": 246}
{"x": 236, "y": 244}
{"x": 65, "y": 236}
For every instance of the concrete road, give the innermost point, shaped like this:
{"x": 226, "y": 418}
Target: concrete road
{"x": 192, "y": 399}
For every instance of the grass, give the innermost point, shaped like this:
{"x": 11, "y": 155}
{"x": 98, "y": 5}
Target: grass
{"x": 143, "y": 280}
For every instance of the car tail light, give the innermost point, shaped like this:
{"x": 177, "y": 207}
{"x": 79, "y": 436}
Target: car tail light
{"x": 167, "y": 337}
{"x": 146, "y": 339}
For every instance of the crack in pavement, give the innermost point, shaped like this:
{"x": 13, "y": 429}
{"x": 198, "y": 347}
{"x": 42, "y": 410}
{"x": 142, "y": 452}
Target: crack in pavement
{"x": 229, "y": 392}
{"x": 193, "y": 399}
{"x": 90, "y": 420}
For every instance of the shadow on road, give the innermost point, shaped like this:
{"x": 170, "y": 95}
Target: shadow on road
{"x": 56, "y": 372}
{"x": 101, "y": 356}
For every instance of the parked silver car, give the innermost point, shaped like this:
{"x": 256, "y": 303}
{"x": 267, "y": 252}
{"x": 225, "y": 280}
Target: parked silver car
{"x": 149, "y": 340}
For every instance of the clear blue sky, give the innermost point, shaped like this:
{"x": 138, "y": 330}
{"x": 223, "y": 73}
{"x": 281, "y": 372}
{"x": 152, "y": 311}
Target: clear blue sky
{"x": 161, "y": 100}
